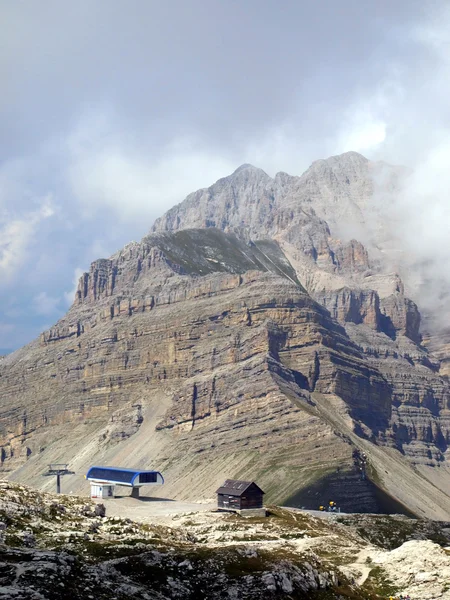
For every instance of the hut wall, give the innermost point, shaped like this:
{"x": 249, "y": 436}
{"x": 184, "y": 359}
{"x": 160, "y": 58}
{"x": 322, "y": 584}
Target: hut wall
{"x": 252, "y": 499}
{"x": 227, "y": 501}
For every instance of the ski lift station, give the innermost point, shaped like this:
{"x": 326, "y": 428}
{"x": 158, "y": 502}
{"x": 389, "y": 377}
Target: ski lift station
{"x": 104, "y": 479}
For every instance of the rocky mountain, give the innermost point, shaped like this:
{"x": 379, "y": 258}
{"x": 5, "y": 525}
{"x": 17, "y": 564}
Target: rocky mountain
{"x": 312, "y": 217}
{"x": 244, "y": 338}
{"x": 327, "y": 214}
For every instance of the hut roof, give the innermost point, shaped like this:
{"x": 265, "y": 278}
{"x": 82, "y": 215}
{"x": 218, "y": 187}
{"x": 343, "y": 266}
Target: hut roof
{"x": 235, "y": 487}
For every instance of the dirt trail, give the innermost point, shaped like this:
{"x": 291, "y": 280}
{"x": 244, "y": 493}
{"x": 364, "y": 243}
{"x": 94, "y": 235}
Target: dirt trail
{"x": 154, "y": 510}
{"x": 362, "y": 567}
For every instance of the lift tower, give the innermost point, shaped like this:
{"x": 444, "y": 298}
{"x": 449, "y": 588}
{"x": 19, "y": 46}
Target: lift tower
{"x": 58, "y": 469}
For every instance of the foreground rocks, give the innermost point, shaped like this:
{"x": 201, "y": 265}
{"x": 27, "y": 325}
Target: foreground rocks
{"x": 56, "y": 547}
{"x": 59, "y": 547}
{"x": 147, "y": 574}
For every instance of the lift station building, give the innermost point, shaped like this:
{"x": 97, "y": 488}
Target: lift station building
{"x": 104, "y": 479}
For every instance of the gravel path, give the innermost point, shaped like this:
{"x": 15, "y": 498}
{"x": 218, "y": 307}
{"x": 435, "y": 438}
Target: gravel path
{"x": 149, "y": 509}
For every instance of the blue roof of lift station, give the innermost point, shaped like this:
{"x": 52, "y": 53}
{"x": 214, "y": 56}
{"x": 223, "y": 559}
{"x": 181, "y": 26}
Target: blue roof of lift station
{"x": 127, "y": 477}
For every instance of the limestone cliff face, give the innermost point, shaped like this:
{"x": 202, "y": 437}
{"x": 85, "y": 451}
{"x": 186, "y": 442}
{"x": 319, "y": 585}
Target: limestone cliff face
{"x": 401, "y": 316}
{"x": 220, "y": 340}
{"x": 352, "y": 306}
{"x": 307, "y": 216}
{"x": 250, "y": 199}
{"x": 440, "y": 346}
{"x": 236, "y": 351}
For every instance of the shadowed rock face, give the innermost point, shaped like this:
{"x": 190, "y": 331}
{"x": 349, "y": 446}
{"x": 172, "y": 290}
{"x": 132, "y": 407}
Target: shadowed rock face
{"x": 213, "y": 341}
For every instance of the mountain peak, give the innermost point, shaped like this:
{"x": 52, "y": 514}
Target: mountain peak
{"x": 346, "y": 157}
{"x": 247, "y": 169}
{"x": 342, "y": 161}
{"x": 353, "y": 154}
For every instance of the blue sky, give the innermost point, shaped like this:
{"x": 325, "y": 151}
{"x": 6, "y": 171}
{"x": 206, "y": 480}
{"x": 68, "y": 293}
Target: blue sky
{"x": 111, "y": 112}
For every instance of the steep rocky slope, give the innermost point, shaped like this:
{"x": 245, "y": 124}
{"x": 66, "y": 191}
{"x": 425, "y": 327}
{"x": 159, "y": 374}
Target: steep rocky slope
{"x": 218, "y": 352}
{"x": 225, "y": 356}
{"x": 311, "y": 217}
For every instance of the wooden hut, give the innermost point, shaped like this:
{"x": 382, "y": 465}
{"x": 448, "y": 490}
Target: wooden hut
{"x": 239, "y": 495}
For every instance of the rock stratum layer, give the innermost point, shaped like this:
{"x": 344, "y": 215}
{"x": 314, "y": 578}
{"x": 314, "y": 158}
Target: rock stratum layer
{"x": 242, "y": 338}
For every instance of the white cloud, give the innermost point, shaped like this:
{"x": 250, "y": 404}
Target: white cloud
{"x": 70, "y": 296}
{"x": 365, "y": 136}
{"x": 405, "y": 120}
{"x": 16, "y": 235}
{"x": 44, "y": 304}
{"x": 422, "y": 214}
{"x": 371, "y": 119}
{"x": 106, "y": 172}
{"x": 434, "y": 33}
{"x": 113, "y": 170}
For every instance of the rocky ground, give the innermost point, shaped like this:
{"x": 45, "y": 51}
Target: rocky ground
{"x": 56, "y": 547}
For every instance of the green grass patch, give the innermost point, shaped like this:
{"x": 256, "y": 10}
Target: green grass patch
{"x": 378, "y": 583}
